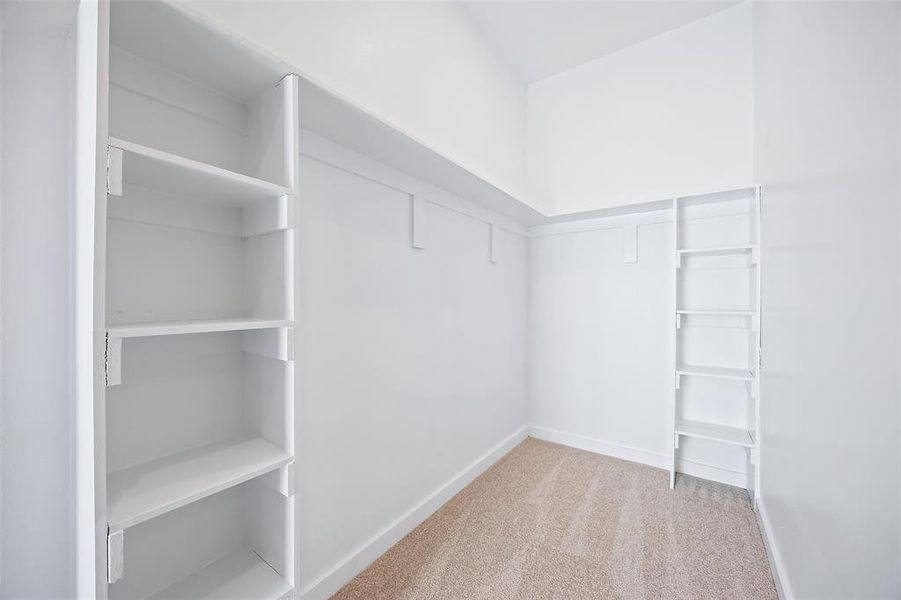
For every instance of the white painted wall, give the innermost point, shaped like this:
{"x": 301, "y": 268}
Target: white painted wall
{"x": 601, "y": 337}
{"x": 672, "y": 115}
{"x": 827, "y": 153}
{"x": 420, "y": 66}
{"x": 412, "y": 361}
{"x": 35, "y": 416}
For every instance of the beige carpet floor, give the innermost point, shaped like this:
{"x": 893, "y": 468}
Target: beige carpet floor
{"x": 548, "y": 521}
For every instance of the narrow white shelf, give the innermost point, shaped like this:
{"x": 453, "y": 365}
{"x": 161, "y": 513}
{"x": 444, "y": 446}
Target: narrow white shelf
{"x": 714, "y": 312}
{"x": 719, "y": 251}
{"x": 140, "y": 493}
{"x": 239, "y": 575}
{"x": 712, "y": 431}
{"x": 131, "y": 330}
{"x": 716, "y": 372}
{"x": 159, "y": 170}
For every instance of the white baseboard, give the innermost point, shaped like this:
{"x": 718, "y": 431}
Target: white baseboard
{"x": 644, "y": 457}
{"x": 574, "y": 440}
{"x": 365, "y": 554}
{"x": 777, "y": 567}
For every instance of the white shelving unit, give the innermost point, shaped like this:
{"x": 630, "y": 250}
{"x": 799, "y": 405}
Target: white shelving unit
{"x": 194, "y": 427}
{"x": 717, "y": 295}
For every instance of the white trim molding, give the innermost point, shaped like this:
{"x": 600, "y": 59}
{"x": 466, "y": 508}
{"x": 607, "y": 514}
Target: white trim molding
{"x": 777, "y": 566}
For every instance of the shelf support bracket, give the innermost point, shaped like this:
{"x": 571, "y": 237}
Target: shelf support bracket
{"x": 678, "y": 381}
{"x": 754, "y": 388}
{"x": 273, "y": 214}
{"x": 114, "y": 170}
{"x": 113, "y": 362}
{"x": 281, "y": 480}
{"x": 270, "y": 343}
{"x": 678, "y": 321}
{"x": 115, "y": 555}
{"x": 419, "y": 222}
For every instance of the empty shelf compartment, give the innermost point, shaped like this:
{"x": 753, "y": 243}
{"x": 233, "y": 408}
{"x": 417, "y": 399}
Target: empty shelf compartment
{"x": 239, "y": 575}
{"x": 715, "y": 432}
{"x": 145, "y": 491}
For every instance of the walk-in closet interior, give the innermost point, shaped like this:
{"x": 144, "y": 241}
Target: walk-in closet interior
{"x": 408, "y": 300}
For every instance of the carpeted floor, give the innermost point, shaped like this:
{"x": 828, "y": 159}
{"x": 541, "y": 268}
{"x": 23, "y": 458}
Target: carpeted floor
{"x": 548, "y": 521}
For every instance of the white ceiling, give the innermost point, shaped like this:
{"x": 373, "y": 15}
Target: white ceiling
{"x": 538, "y": 39}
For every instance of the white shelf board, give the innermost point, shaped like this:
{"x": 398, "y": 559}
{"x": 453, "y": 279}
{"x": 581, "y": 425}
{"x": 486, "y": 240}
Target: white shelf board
{"x": 239, "y": 575}
{"x": 716, "y": 372}
{"x": 712, "y": 431}
{"x": 140, "y": 493}
{"x": 717, "y": 251}
{"x": 717, "y": 312}
{"x": 173, "y": 174}
{"x": 149, "y": 329}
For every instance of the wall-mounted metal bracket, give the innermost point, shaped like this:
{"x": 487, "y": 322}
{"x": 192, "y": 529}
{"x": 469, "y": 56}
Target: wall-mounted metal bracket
{"x": 114, "y": 170}
{"x": 113, "y": 360}
{"x": 115, "y": 555}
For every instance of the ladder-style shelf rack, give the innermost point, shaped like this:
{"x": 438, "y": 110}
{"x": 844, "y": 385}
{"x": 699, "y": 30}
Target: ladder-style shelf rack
{"x": 716, "y": 289}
